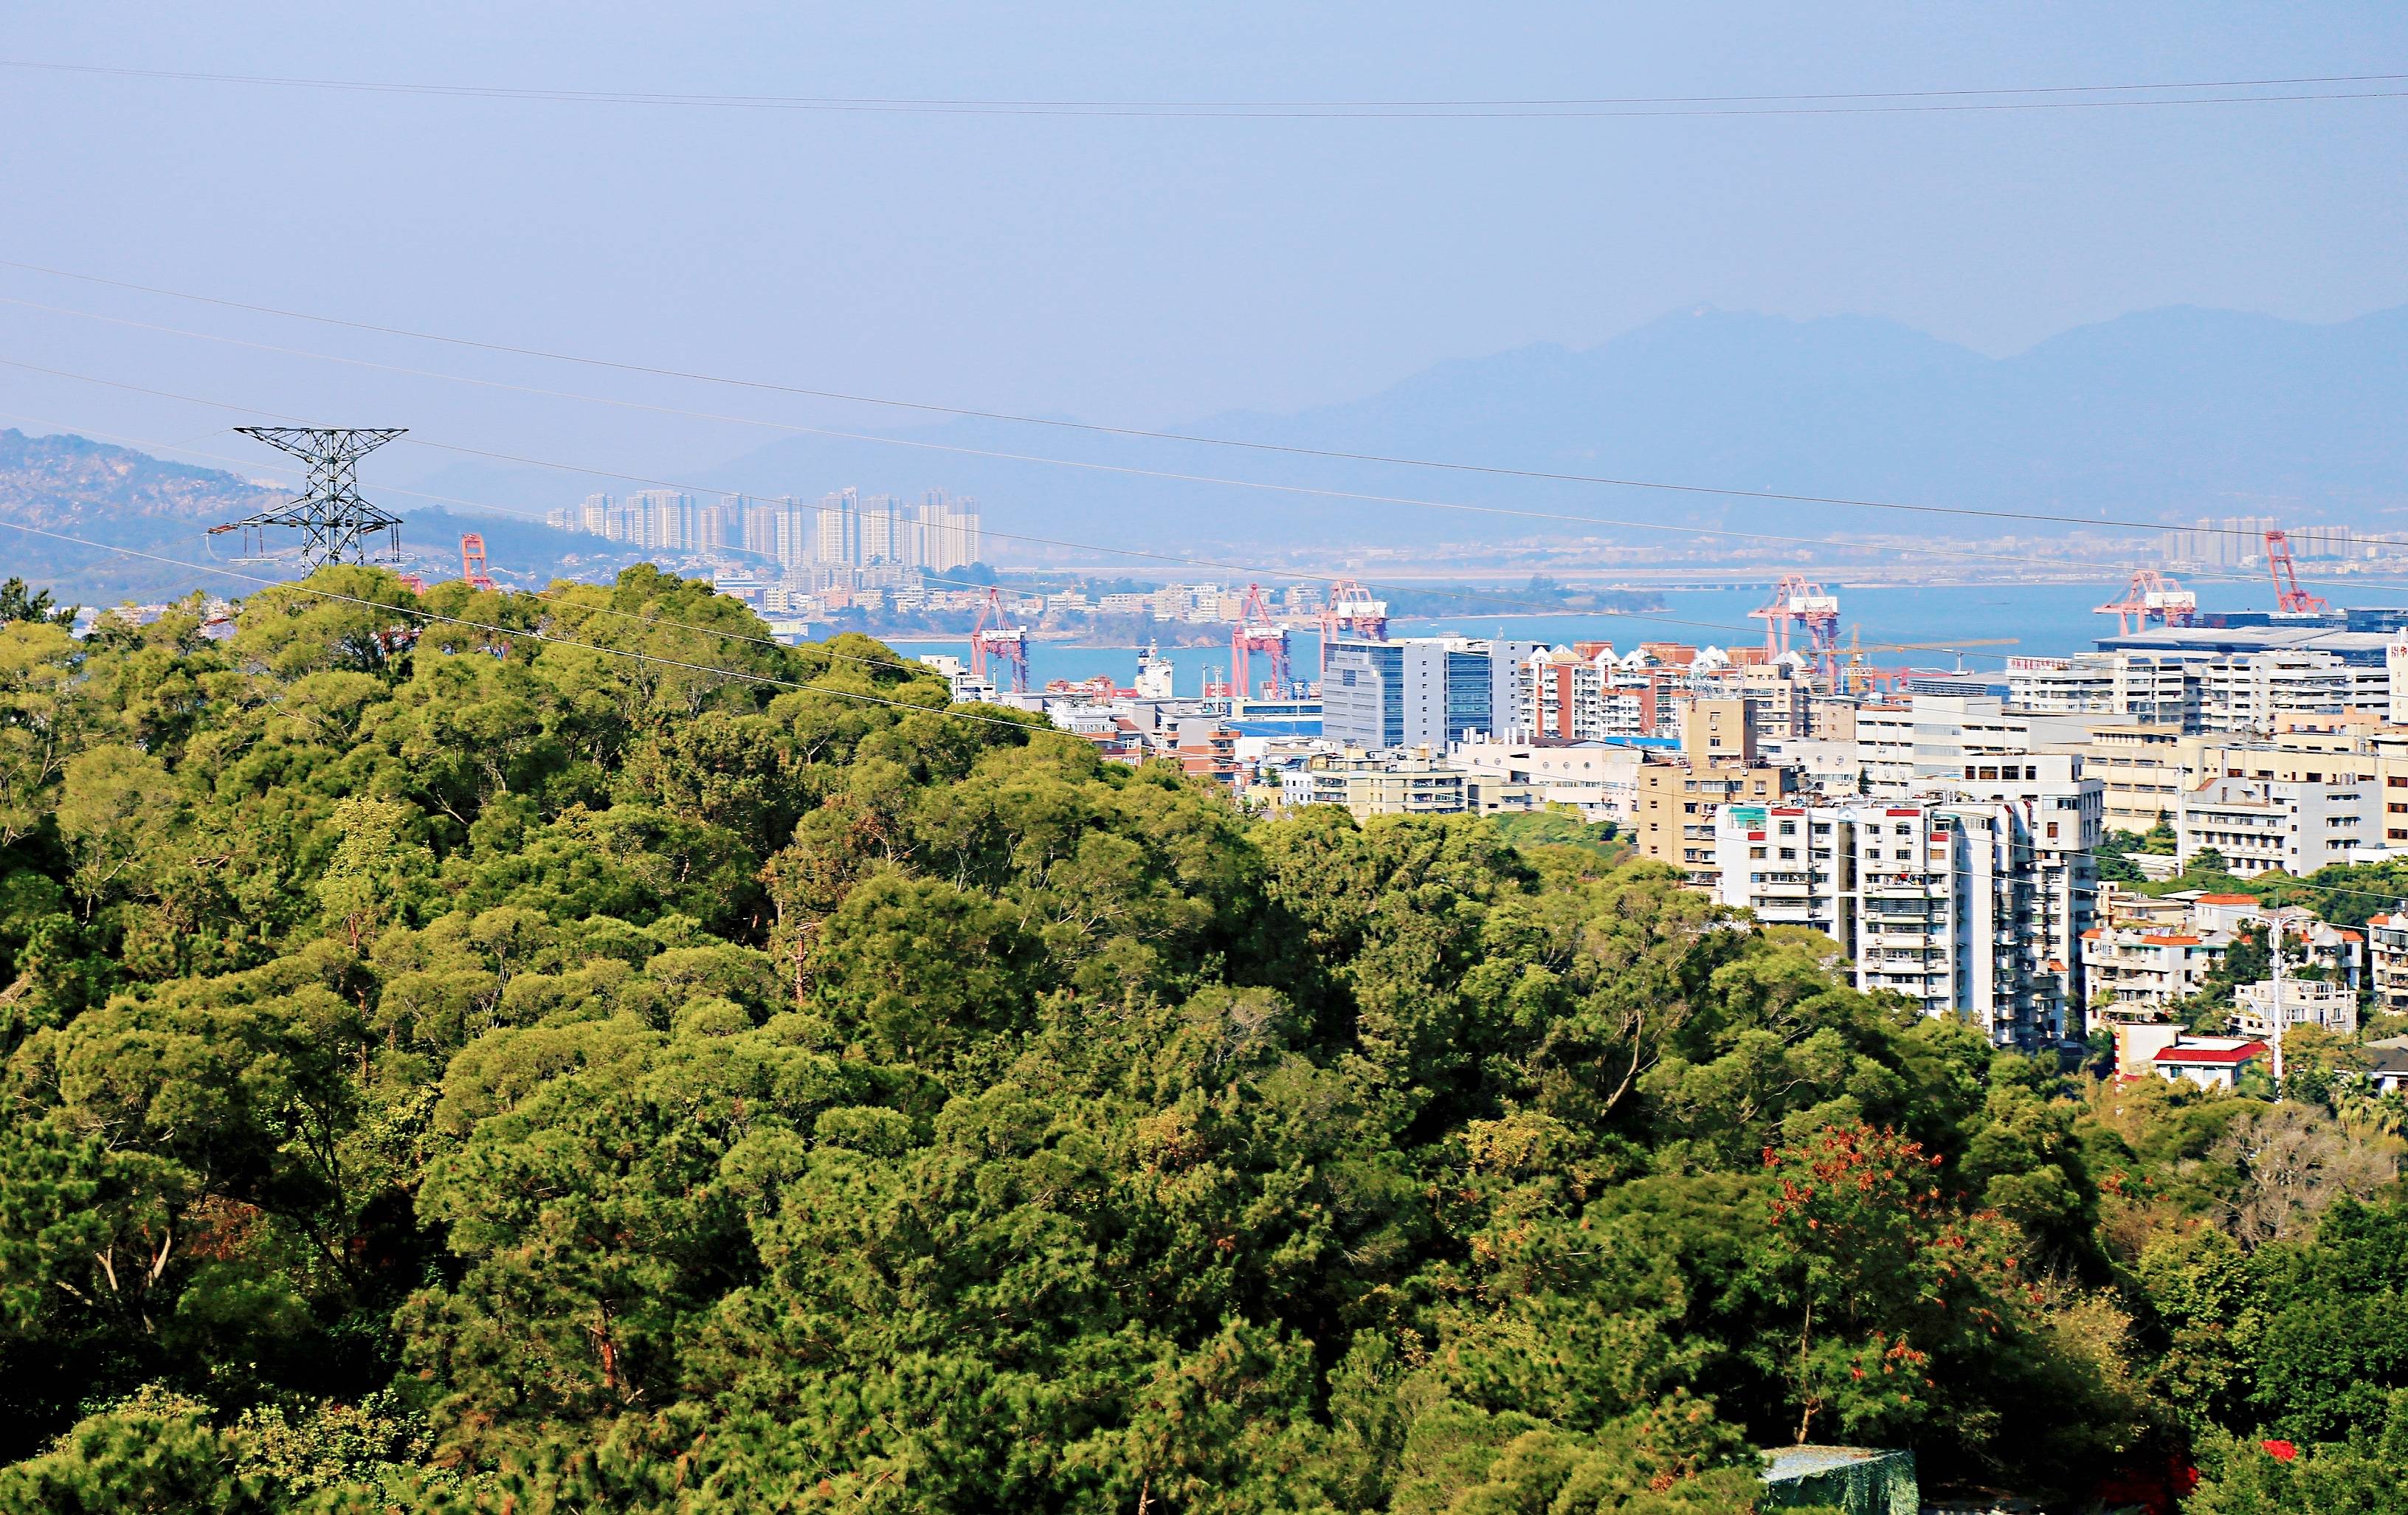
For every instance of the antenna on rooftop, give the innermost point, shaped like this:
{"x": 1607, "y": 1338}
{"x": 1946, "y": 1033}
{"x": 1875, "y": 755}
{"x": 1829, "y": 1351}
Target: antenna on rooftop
{"x": 330, "y": 516}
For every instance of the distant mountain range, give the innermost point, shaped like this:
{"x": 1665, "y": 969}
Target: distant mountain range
{"x": 2162, "y": 415}
{"x": 131, "y": 501}
{"x": 2165, "y": 415}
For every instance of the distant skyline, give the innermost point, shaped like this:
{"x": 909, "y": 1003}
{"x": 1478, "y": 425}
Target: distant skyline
{"x": 1148, "y": 271}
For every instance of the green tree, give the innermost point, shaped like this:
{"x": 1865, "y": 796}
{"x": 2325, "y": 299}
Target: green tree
{"x": 1885, "y": 1278}
{"x": 19, "y": 601}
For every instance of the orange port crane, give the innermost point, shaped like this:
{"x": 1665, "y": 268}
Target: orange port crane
{"x": 1256, "y": 632}
{"x": 472, "y": 561}
{"x": 1799, "y": 601}
{"x": 994, "y": 637}
{"x": 2287, "y": 592}
{"x": 1351, "y": 612}
{"x": 2150, "y": 596}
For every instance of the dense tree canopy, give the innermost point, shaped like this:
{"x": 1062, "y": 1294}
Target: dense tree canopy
{"x": 599, "y": 1057}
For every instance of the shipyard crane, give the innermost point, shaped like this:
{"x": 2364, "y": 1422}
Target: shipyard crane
{"x": 2150, "y": 596}
{"x": 995, "y": 637}
{"x": 1861, "y": 676}
{"x": 1799, "y": 601}
{"x": 472, "y": 561}
{"x": 2287, "y": 592}
{"x": 1351, "y": 612}
{"x": 1256, "y": 632}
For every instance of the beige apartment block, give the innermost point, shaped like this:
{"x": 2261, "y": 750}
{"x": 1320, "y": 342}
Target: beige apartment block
{"x": 1678, "y": 798}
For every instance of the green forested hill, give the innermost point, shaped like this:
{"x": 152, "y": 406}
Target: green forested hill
{"x": 488, "y": 1072}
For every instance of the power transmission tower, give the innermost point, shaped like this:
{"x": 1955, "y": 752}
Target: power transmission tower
{"x": 330, "y": 514}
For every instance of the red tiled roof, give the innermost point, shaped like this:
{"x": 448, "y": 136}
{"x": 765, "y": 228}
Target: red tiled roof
{"x": 2213, "y": 1056}
{"x": 2169, "y": 941}
{"x": 2228, "y": 899}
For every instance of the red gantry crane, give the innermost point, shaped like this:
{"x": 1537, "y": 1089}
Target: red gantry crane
{"x": 2288, "y": 591}
{"x": 1799, "y": 601}
{"x": 1256, "y": 632}
{"x": 1351, "y": 612}
{"x": 2150, "y": 596}
{"x": 472, "y": 562}
{"x": 995, "y": 637}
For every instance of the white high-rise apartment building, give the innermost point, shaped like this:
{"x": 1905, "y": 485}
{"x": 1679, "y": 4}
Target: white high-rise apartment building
{"x": 1940, "y": 898}
{"x": 837, "y": 543}
{"x": 949, "y": 533}
{"x": 2156, "y": 687}
{"x": 593, "y": 515}
{"x": 2248, "y": 691}
{"x": 1934, "y": 736}
{"x": 2251, "y": 693}
{"x": 662, "y": 520}
{"x": 939, "y": 534}
{"x": 779, "y": 530}
{"x": 886, "y": 533}
{"x": 2260, "y": 824}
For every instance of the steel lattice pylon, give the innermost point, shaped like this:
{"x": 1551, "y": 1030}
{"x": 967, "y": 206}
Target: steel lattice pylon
{"x": 330, "y": 514}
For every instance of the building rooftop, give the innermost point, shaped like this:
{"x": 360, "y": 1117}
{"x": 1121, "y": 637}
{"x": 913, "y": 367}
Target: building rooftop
{"x": 2365, "y": 648}
{"x": 1785, "y": 1463}
{"x": 2213, "y": 1051}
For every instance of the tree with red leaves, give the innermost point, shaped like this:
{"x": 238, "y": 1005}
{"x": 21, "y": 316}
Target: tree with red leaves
{"x": 1885, "y": 1275}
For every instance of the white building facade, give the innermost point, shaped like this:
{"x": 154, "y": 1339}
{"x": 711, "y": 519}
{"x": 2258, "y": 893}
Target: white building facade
{"x": 1939, "y": 899}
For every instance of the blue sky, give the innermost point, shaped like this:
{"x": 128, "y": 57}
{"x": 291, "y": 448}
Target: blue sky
{"x": 1129, "y": 270}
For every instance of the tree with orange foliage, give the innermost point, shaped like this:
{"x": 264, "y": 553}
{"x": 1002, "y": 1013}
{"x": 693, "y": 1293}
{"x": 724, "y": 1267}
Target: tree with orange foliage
{"x": 1886, "y": 1276}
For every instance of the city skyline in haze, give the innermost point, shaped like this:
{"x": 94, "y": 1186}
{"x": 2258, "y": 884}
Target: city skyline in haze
{"x": 1124, "y": 270}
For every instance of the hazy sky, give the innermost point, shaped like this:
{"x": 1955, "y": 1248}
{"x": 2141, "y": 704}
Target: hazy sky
{"x": 1116, "y": 269}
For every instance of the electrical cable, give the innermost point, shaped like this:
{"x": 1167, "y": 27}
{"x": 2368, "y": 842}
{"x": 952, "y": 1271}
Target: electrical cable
{"x": 1327, "y": 455}
{"x": 649, "y": 481}
{"x": 738, "y": 674}
{"x": 1046, "y": 542}
{"x": 1506, "y": 604}
{"x": 1858, "y": 103}
{"x": 537, "y": 635}
{"x": 1312, "y": 490}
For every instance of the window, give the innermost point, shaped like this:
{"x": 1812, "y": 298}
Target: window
{"x": 1790, "y": 828}
{"x": 1756, "y": 851}
{"x": 1789, "y": 853}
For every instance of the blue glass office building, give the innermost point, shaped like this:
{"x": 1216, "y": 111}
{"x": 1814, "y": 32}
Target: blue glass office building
{"x": 1427, "y": 691}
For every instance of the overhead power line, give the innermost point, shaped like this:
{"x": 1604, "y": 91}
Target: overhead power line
{"x": 739, "y": 675}
{"x": 2012, "y": 98}
{"x": 653, "y": 482}
{"x": 1624, "y": 523}
{"x": 519, "y": 631}
{"x": 1485, "y": 600}
{"x": 747, "y": 675}
{"x": 1355, "y": 496}
{"x": 930, "y": 407}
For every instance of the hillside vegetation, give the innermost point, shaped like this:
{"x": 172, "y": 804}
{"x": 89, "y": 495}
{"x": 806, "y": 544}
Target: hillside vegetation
{"x": 491, "y": 1073}
{"x": 67, "y": 486}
